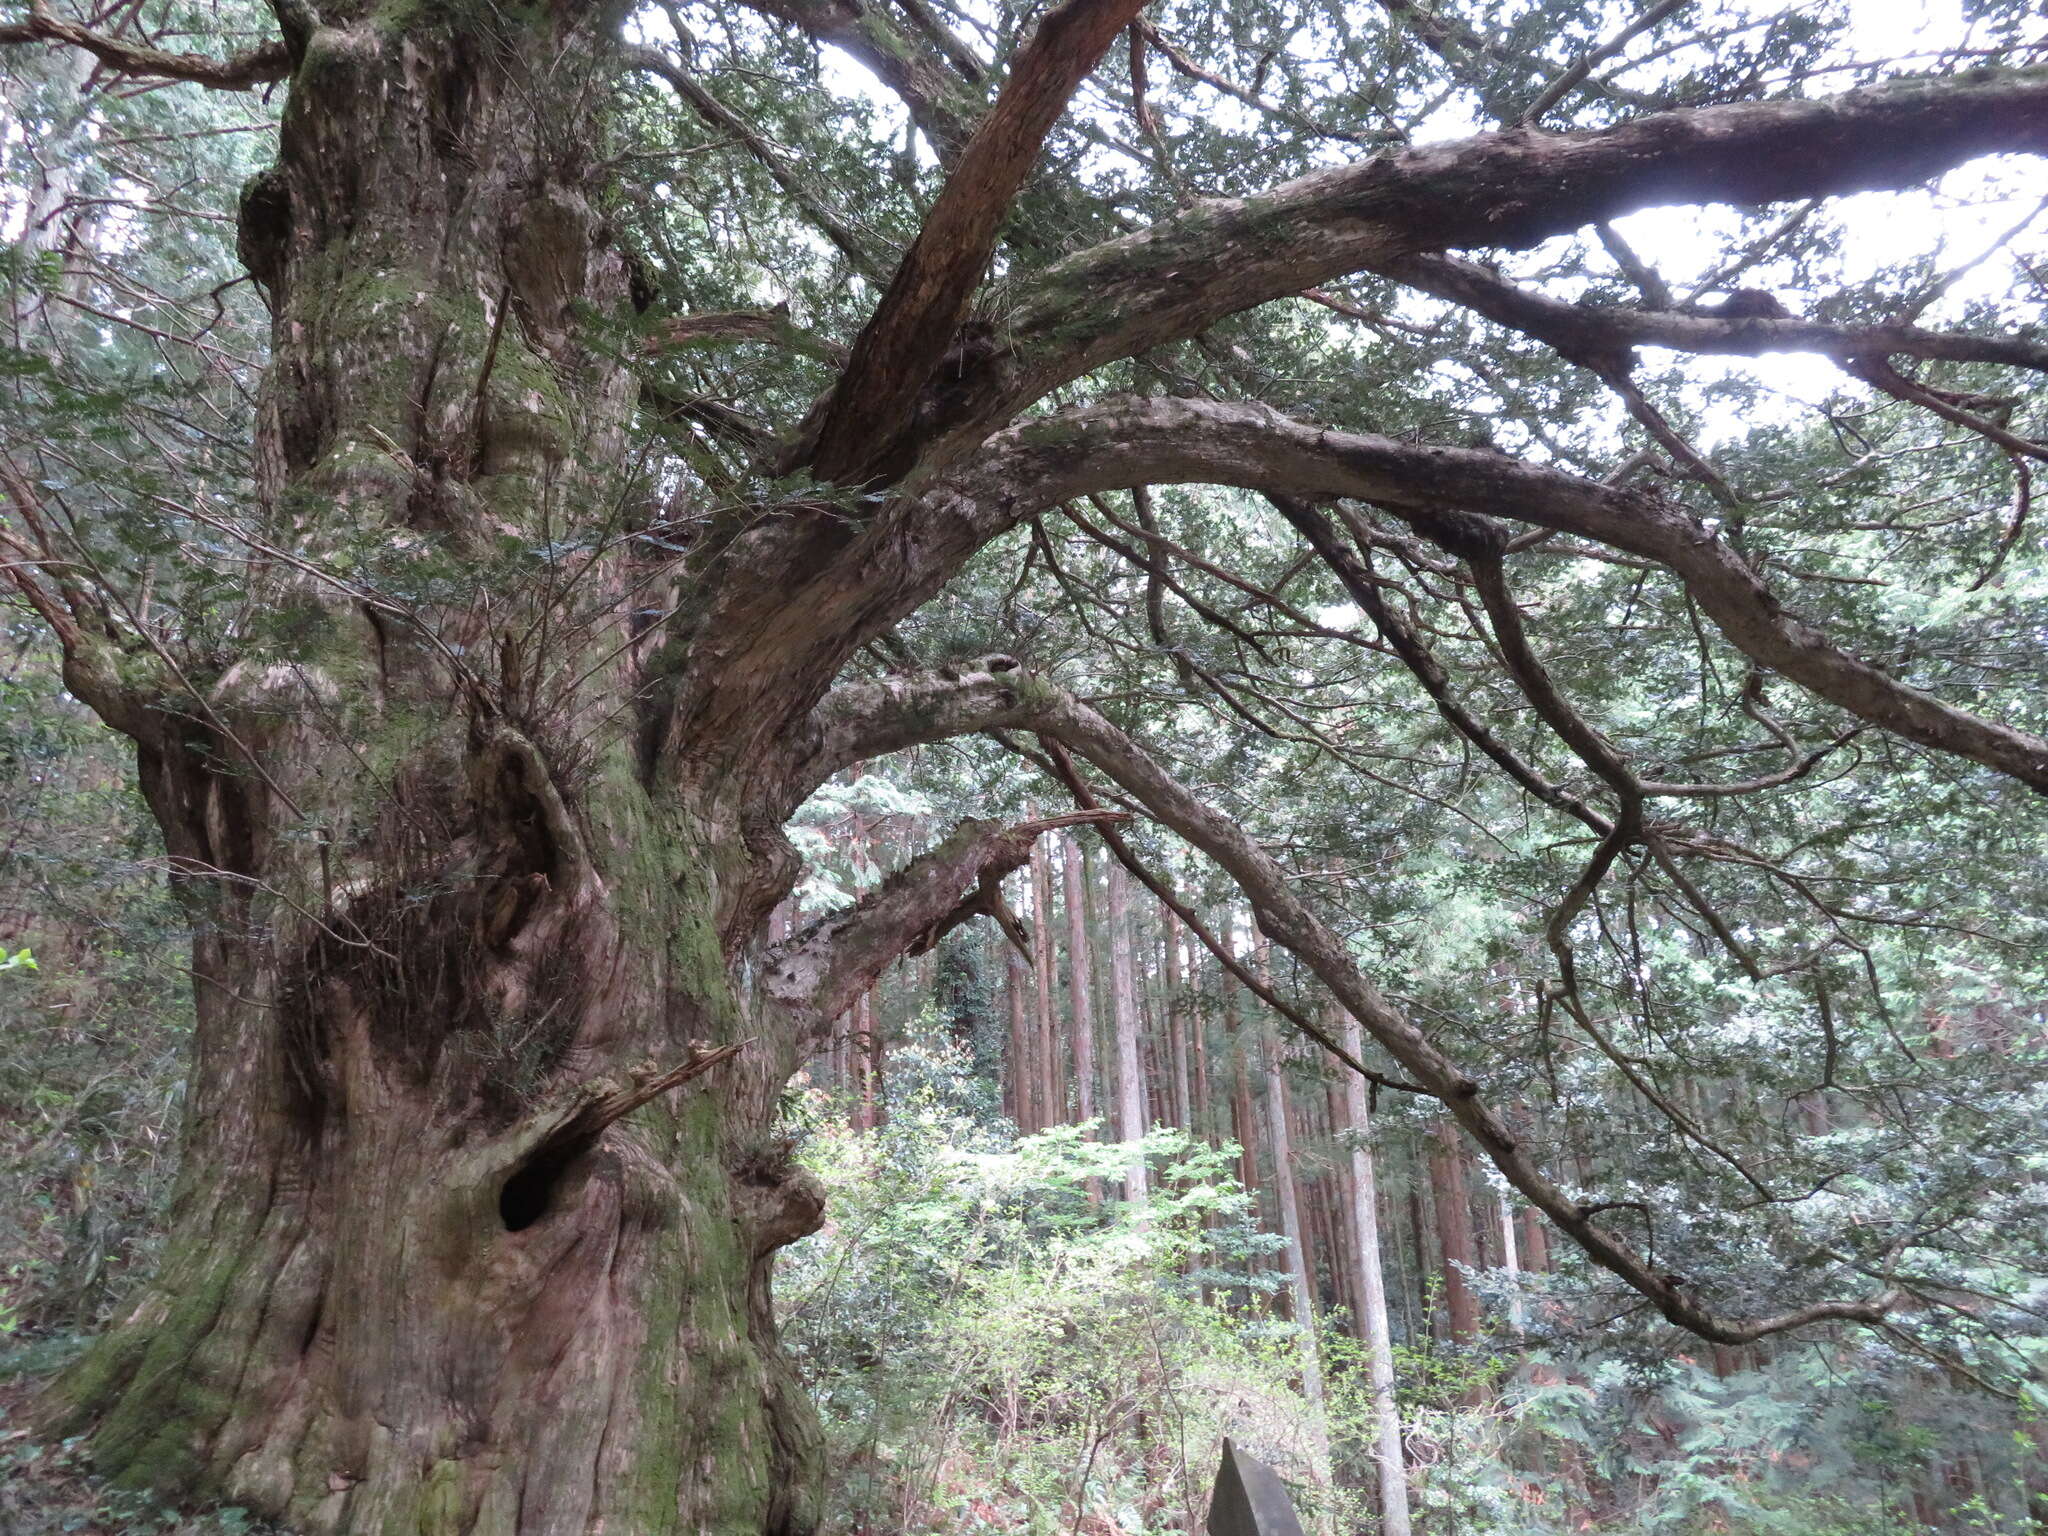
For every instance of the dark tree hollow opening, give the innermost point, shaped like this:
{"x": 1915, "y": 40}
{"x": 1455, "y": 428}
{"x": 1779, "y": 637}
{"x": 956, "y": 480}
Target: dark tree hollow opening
{"x": 529, "y": 1194}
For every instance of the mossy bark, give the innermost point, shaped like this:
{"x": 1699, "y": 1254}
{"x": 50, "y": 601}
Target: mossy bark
{"x": 452, "y": 898}
{"x": 386, "y": 1307}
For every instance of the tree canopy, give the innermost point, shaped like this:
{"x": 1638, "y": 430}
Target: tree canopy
{"x": 1532, "y": 502}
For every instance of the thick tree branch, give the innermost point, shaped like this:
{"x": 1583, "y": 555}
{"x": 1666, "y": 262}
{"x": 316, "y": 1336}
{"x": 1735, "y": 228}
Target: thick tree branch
{"x": 819, "y": 587}
{"x": 772, "y": 327}
{"x": 120, "y": 687}
{"x": 1285, "y": 918}
{"x": 942, "y": 37}
{"x": 238, "y": 72}
{"x": 1879, "y": 372}
{"x": 1601, "y": 337}
{"x": 858, "y": 721}
{"x": 1512, "y": 189}
{"x": 1174, "y": 441}
{"x": 921, "y": 78}
{"x": 820, "y": 971}
{"x": 918, "y": 318}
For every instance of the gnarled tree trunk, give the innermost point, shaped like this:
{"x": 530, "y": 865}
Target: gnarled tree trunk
{"x": 453, "y": 923}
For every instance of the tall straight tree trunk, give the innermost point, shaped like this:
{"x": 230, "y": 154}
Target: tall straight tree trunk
{"x": 1243, "y": 1128}
{"x": 1052, "y": 1088}
{"x": 1371, "y": 1300}
{"x": 836, "y": 1054}
{"x": 859, "y": 1076}
{"x": 1176, "y": 1029}
{"x": 1535, "y": 1247}
{"x": 875, "y": 1039}
{"x": 1080, "y": 991}
{"x": 1123, "y": 992}
{"x": 1244, "y": 1125}
{"x": 1511, "y": 1261}
{"x": 1023, "y": 1101}
{"x": 1299, "y": 1288}
{"x": 1344, "y": 1280}
{"x": 1287, "y": 1192}
{"x": 1080, "y": 976}
{"x": 1424, "y": 1318}
{"x": 1456, "y": 1243}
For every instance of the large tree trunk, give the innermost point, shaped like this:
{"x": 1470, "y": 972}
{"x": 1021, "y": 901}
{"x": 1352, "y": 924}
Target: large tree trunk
{"x": 395, "y": 1300}
{"x": 452, "y": 925}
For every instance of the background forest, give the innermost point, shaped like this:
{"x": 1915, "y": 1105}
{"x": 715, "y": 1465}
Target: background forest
{"x": 1099, "y": 1191}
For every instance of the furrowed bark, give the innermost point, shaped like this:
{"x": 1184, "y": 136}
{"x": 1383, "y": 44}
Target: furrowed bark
{"x": 1455, "y": 1244}
{"x": 458, "y": 1247}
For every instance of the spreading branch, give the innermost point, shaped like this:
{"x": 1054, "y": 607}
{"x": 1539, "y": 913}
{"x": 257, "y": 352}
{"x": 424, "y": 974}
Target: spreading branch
{"x": 238, "y": 72}
{"x": 863, "y": 720}
{"x": 771, "y": 327}
{"x": 1602, "y": 336}
{"x": 1512, "y": 189}
{"x": 1289, "y": 921}
{"x": 1175, "y": 441}
{"x": 819, "y": 972}
{"x": 920, "y": 314}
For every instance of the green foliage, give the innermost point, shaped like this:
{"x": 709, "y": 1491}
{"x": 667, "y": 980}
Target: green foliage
{"x": 993, "y": 1347}
{"x": 94, "y": 1010}
{"x": 49, "y": 1490}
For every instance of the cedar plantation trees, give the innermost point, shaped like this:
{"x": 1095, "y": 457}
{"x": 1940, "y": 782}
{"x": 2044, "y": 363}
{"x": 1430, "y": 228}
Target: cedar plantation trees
{"x": 476, "y": 646}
